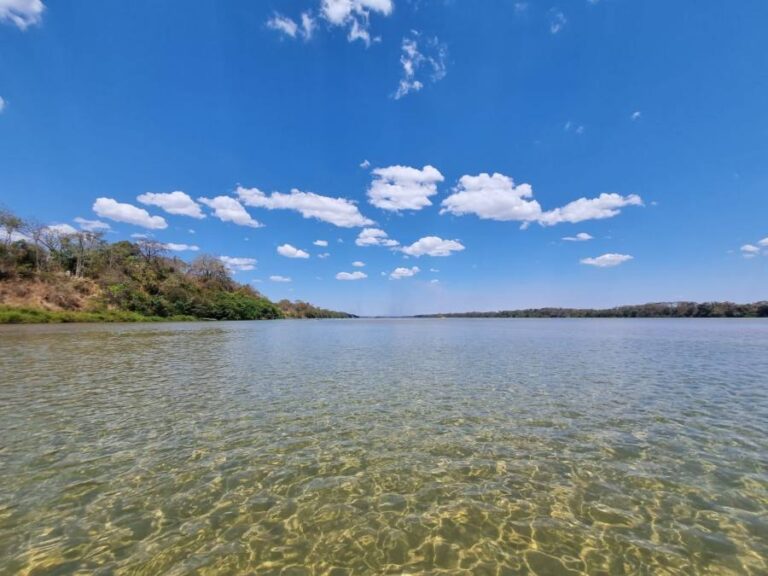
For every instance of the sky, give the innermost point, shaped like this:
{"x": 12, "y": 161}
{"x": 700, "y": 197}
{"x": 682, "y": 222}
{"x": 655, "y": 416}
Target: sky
{"x": 389, "y": 157}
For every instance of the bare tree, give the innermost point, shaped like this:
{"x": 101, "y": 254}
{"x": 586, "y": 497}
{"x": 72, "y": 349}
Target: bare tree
{"x": 11, "y": 224}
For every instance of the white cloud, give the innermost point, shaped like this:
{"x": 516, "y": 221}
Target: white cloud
{"x": 763, "y": 242}
{"x": 604, "y": 206}
{"x": 291, "y": 251}
{"x": 636, "y": 115}
{"x": 434, "y": 270}
{"x": 127, "y": 213}
{"x": 278, "y": 278}
{"x": 750, "y": 250}
{"x": 2, "y": 100}
{"x": 492, "y": 197}
{"x": 374, "y": 237}
{"x": 432, "y": 246}
{"x": 14, "y": 236}
{"x": 238, "y": 264}
{"x": 356, "y": 275}
{"x": 431, "y": 58}
{"x": 434, "y": 281}
{"x": 283, "y": 24}
{"x": 577, "y": 128}
{"x": 358, "y": 264}
{"x": 403, "y": 188}
{"x": 322, "y": 243}
{"x": 22, "y": 13}
{"x": 580, "y": 237}
{"x": 181, "y": 247}
{"x": 228, "y": 209}
{"x": 355, "y": 15}
{"x": 365, "y": 164}
{"x": 290, "y": 27}
{"x": 399, "y": 273}
{"x": 338, "y": 211}
{"x": 557, "y": 21}
{"x": 139, "y": 236}
{"x": 61, "y": 229}
{"x": 173, "y": 202}
{"x": 308, "y": 25}
{"x": 91, "y": 225}
{"x": 497, "y": 197}
{"x": 323, "y": 255}
{"x": 607, "y": 260}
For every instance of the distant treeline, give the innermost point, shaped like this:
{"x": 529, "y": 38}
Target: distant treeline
{"x": 653, "y": 310}
{"x": 50, "y": 273}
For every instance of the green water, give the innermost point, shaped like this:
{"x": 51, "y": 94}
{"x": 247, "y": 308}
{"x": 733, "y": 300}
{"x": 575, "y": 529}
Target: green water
{"x": 547, "y": 447}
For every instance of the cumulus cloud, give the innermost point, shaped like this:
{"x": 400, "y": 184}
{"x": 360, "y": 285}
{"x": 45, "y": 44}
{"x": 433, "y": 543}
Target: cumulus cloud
{"x": 354, "y": 15}
{"x": 607, "y": 260}
{"x": 323, "y": 255}
{"x": 127, "y": 213}
{"x": 580, "y": 237}
{"x": 238, "y": 264}
{"x": 291, "y": 251}
{"x": 420, "y": 64}
{"x": 403, "y": 188}
{"x": 181, "y": 247}
{"x": 492, "y": 197}
{"x": 177, "y": 202}
{"x": 636, "y": 115}
{"x": 228, "y": 209}
{"x": 358, "y": 264}
{"x": 22, "y": 13}
{"x": 399, "y": 273}
{"x": 763, "y": 242}
{"x": 356, "y": 275}
{"x": 604, "y": 206}
{"x": 496, "y": 197}
{"x": 432, "y": 246}
{"x": 375, "y": 237}
{"x": 365, "y": 164}
{"x": 2, "y": 101}
{"x": 322, "y": 243}
{"x": 338, "y": 211}
{"x": 91, "y": 225}
{"x": 278, "y": 278}
{"x": 749, "y": 250}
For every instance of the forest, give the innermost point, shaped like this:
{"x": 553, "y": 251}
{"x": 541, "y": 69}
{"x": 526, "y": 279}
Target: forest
{"x": 55, "y": 274}
{"x": 652, "y": 310}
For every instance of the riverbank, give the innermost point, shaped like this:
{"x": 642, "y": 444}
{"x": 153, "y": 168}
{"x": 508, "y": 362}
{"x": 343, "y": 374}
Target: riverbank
{"x": 13, "y": 315}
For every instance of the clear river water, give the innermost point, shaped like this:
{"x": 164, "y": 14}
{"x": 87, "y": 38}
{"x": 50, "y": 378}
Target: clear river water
{"x": 526, "y": 447}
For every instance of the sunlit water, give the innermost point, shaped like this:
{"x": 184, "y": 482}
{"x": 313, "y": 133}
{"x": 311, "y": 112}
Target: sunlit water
{"x": 548, "y": 447}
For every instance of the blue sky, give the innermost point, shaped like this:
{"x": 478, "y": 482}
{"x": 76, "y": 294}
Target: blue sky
{"x": 467, "y": 132}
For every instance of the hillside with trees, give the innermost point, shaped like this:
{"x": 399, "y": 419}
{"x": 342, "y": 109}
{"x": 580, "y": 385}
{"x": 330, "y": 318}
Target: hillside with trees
{"x": 52, "y": 274}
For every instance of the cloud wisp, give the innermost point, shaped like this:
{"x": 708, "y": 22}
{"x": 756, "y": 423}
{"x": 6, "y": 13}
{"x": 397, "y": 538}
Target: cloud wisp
{"x": 422, "y": 60}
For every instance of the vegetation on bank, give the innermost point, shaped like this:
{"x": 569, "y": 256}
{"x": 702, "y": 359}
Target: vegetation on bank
{"x": 653, "y": 310}
{"x": 50, "y": 274}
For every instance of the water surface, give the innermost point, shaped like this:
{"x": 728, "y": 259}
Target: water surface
{"x": 547, "y": 447}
